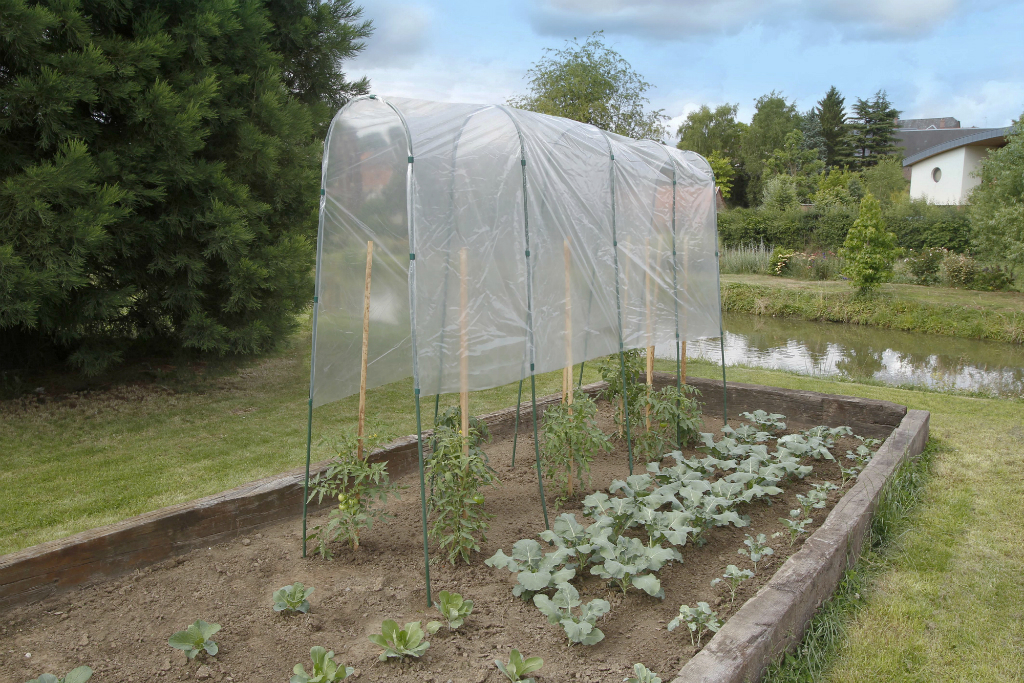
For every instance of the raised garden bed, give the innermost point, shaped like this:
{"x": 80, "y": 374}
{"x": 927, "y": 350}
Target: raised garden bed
{"x": 120, "y": 627}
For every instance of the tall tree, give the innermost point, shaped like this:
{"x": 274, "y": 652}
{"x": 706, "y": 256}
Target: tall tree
{"x": 835, "y": 128}
{"x": 797, "y": 162}
{"x": 706, "y": 131}
{"x": 873, "y": 129}
{"x": 773, "y": 119}
{"x": 592, "y": 83}
{"x": 810, "y": 127}
{"x": 997, "y": 203}
{"x": 159, "y": 172}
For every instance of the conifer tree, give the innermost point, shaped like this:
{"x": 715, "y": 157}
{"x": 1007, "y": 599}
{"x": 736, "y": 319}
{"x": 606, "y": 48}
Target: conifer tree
{"x": 159, "y": 166}
{"x": 873, "y": 129}
{"x": 869, "y": 250}
{"x": 835, "y": 128}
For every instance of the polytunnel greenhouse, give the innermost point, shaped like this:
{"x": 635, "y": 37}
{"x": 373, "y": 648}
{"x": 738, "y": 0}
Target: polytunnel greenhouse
{"x": 505, "y": 244}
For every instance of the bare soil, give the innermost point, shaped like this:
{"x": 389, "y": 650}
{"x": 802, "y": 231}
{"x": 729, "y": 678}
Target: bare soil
{"x": 120, "y": 628}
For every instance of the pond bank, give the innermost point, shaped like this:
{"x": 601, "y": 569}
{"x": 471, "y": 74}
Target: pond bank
{"x": 993, "y": 316}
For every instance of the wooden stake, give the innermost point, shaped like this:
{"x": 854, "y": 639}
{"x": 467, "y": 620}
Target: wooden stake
{"x": 464, "y": 346}
{"x": 366, "y": 347}
{"x": 682, "y": 362}
{"x": 650, "y": 333}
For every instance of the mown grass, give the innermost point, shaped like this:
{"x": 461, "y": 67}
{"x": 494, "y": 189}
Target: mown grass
{"x": 995, "y": 316}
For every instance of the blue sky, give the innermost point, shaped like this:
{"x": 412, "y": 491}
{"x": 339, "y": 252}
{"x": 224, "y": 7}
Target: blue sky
{"x": 934, "y": 57}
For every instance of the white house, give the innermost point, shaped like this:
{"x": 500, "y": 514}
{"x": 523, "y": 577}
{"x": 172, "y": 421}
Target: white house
{"x": 944, "y": 173}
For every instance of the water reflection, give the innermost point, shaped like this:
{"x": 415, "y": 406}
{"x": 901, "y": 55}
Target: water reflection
{"x": 859, "y": 352}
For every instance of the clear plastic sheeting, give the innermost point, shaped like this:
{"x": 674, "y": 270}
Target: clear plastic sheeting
{"x": 510, "y": 237}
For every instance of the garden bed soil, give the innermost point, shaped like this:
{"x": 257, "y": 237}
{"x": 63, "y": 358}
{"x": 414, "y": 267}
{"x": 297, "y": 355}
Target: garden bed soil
{"x": 120, "y": 627}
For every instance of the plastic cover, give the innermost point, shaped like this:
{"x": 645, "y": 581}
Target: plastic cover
{"x": 501, "y": 234}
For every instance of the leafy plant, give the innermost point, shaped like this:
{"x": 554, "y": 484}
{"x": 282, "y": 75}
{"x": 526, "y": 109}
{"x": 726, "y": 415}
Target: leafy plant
{"x": 628, "y": 562}
{"x": 570, "y": 440}
{"x": 402, "y": 643}
{"x": 360, "y": 487}
{"x": 699, "y": 620}
{"x": 325, "y": 669}
{"x": 757, "y": 548}
{"x": 537, "y": 570}
{"x": 456, "y": 501}
{"x": 577, "y": 619}
{"x": 641, "y": 674}
{"x": 196, "y": 638}
{"x": 517, "y": 667}
{"x": 611, "y": 372}
{"x": 79, "y": 674}
{"x": 568, "y": 533}
{"x": 734, "y": 576}
{"x": 294, "y": 598}
{"x": 672, "y": 416}
{"x": 452, "y": 419}
{"x": 770, "y": 422}
{"x": 453, "y": 608}
{"x": 794, "y": 525}
{"x": 870, "y": 250}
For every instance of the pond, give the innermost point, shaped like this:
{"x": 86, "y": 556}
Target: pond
{"x": 861, "y": 352}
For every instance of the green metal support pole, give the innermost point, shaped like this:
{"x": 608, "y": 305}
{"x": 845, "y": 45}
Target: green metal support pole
{"x": 625, "y": 408}
{"x": 515, "y": 436}
{"x": 305, "y": 485}
{"x": 725, "y": 392}
{"x": 580, "y": 383}
{"x": 423, "y": 496}
{"x": 536, "y": 447}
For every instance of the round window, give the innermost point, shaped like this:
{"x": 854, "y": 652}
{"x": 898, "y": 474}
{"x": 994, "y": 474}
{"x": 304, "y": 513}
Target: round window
{"x": 936, "y": 174}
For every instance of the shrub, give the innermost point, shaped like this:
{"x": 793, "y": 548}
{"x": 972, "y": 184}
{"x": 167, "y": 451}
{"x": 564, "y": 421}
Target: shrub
{"x": 958, "y": 269}
{"x": 869, "y": 249}
{"x": 780, "y": 193}
{"x": 992, "y": 279}
{"x": 831, "y": 225}
{"x": 925, "y": 264}
{"x": 779, "y": 264}
{"x": 819, "y": 266}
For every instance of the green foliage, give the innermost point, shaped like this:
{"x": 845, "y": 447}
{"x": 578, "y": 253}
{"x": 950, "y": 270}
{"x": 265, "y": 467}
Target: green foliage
{"x": 869, "y": 249}
{"x": 79, "y": 674}
{"x": 712, "y": 132}
{"x": 452, "y": 419}
{"x": 628, "y": 562}
{"x": 757, "y": 548}
{"x": 835, "y": 128}
{"x": 885, "y": 180}
{"x": 838, "y": 187}
{"x": 997, "y": 203}
{"x": 453, "y": 608}
{"x": 611, "y": 372}
{"x": 592, "y": 83}
{"x": 959, "y": 269}
{"x": 919, "y": 225}
{"x": 577, "y": 619}
{"x": 774, "y": 118}
{"x": 158, "y": 174}
{"x": 698, "y": 620}
{"x": 926, "y": 264}
{"x": 641, "y": 674}
{"x": 793, "y": 159}
{"x": 325, "y": 669}
{"x": 196, "y": 638}
{"x": 873, "y": 129}
{"x": 778, "y": 265}
{"x": 673, "y": 417}
{"x": 456, "y": 500}
{"x": 517, "y": 667}
{"x": 724, "y": 171}
{"x": 780, "y": 193}
{"x": 293, "y": 598}
{"x": 361, "y": 489}
{"x": 405, "y": 642}
{"x": 571, "y": 439}
{"x": 734, "y": 576}
{"x": 770, "y": 422}
{"x": 795, "y": 525}
{"x": 537, "y": 570}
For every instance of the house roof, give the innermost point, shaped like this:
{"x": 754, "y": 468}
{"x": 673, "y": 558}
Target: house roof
{"x": 987, "y": 137}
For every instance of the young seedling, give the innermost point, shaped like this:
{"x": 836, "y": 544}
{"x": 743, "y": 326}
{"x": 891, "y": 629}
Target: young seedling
{"x": 795, "y": 525}
{"x": 698, "y": 619}
{"x": 453, "y": 608}
{"x": 517, "y": 667}
{"x": 641, "y": 674}
{"x": 402, "y": 643}
{"x": 293, "y": 598}
{"x": 579, "y": 627}
{"x": 757, "y": 548}
{"x": 79, "y": 674}
{"x": 735, "y": 576}
{"x": 196, "y": 638}
{"x": 325, "y": 669}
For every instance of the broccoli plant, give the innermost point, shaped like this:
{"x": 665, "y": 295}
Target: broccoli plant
{"x": 456, "y": 501}
{"x": 757, "y": 548}
{"x": 770, "y": 422}
{"x": 196, "y": 638}
{"x": 699, "y": 620}
{"x": 641, "y": 674}
{"x": 293, "y": 598}
{"x": 628, "y": 562}
{"x": 402, "y": 643}
{"x": 361, "y": 489}
{"x": 734, "y": 576}
{"x": 325, "y": 669}
{"x": 79, "y": 674}
{"x": 577, "y": 619}
{"x": 453, "y": 608}
{"x": 569, "y": 534}
{"x": 537, "y": 571}
{"x": 517, "y": 667}
{"x": 570, "y": 440}
{"x": 795, "y": 525}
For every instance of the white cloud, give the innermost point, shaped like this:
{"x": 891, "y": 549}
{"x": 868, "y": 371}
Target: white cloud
{"x": 442, "y": 80}
{"x": 678, "y": 19}
{"x": 401, "y": 34}
{"x": 985, "y": 104}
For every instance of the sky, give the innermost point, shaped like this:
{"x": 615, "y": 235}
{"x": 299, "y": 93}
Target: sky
{"x": 959, "y": 58}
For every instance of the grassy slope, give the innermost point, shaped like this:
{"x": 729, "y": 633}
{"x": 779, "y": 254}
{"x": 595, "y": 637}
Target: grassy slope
{"x": 998, "y": 316}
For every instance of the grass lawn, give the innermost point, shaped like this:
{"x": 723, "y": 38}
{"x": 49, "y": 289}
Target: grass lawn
{"x": 946, "y": 604}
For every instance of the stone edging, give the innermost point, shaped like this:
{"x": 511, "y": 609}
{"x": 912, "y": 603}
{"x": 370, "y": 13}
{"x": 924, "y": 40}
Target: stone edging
{"x": 774, "y": 619}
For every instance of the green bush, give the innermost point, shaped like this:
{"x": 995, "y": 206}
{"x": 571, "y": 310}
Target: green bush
{"x": 926, "y": 264}
{"x": 869, "y": 249}
{"x": 958, "y": 269}
{"x": 992, "y": 279}
{"x": 831, "y": 226}
{"x": 920, "y": 225}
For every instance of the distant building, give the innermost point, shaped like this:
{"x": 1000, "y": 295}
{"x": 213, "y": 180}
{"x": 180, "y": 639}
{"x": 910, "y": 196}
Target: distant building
{"x": 940, "y": 157}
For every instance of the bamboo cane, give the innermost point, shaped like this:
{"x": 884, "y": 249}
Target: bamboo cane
{"x": 360, "y": 430}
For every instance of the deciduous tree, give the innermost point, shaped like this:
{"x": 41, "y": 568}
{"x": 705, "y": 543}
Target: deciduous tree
{"x": 997, "y": 203}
